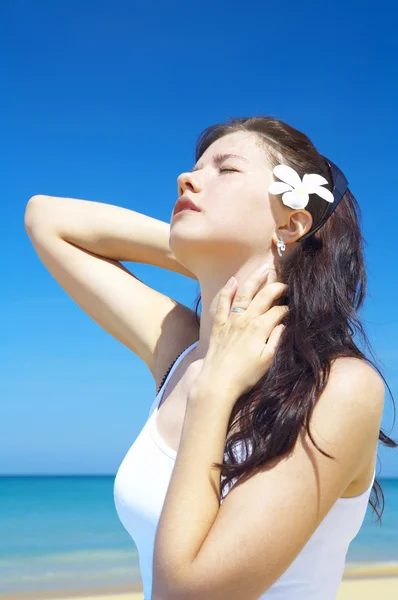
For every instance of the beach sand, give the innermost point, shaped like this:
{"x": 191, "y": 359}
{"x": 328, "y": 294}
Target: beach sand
{"x": 360, "y": 582}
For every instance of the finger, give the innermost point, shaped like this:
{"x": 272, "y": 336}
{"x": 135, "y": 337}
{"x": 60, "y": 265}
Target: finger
{"x": 248, "y": 289}
{"x": 272, "y": 318}
{"x": 272, "y": 277}
{"x": 263, "y": 281}
{"x": 224, "y": 302}
{"x": 274, "y": 339}
{"x": 264, "y": 299}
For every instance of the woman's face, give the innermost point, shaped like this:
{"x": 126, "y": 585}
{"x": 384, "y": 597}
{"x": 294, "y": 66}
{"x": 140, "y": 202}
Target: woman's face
{"x": 238, "y": 216}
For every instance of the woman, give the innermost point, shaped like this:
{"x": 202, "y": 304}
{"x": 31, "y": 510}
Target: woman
{"x": 301, "y": 423}
{"x": 296, "y": 552}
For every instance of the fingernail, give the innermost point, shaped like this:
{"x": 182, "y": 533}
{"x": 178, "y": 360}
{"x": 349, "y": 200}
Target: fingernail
{"x": 230, "y": 282}
{"x": 263, "y": 269}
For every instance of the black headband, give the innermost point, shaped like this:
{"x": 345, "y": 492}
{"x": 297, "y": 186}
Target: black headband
{"x": 340, "y": 186}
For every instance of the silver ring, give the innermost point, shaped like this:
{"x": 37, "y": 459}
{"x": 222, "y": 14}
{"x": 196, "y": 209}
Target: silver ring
{"x": 237, "y": 309}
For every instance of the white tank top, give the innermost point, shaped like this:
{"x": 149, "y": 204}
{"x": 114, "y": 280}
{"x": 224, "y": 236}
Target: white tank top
{"x": 140, "y": 488}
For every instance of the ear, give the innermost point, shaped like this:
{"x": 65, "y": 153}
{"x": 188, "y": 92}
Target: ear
{"x": 298, "y": 223}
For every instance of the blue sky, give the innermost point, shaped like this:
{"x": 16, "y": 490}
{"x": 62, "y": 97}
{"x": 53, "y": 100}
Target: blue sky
{"x": 104, "y": 101}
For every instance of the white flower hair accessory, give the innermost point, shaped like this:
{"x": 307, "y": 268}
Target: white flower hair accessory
{"x": 296, "y": 191}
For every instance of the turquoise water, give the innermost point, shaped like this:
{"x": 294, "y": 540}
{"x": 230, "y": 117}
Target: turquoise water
{"x": 64, "y": 532}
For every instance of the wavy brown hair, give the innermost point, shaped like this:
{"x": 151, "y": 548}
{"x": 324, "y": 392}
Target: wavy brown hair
{"x": 326, "y": 280}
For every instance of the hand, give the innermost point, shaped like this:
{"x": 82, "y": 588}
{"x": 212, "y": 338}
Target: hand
{"x": 243, "y": 345}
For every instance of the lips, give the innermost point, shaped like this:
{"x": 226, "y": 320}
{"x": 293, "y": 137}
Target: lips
{"x": 183, "y": 203}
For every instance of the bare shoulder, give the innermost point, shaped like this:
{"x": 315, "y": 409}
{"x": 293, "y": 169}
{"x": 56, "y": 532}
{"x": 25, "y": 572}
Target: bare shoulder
{"x": 351, "y": 373}
{"x": 351, "y": 404}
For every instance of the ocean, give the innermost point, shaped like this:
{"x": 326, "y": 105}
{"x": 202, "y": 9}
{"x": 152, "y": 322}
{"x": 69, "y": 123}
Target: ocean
{"x": 63, "y": 532}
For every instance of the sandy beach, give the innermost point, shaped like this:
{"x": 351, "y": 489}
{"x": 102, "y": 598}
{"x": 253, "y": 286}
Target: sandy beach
{"x": 369, "y": 589}
{"x": 360, "y": 582}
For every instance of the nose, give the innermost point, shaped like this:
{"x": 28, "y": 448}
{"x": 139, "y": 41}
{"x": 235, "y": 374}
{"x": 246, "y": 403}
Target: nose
{"x": 187, "y": 181}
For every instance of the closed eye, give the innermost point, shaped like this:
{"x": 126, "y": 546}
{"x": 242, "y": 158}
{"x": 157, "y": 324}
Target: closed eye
{"x": 232, "y": 170}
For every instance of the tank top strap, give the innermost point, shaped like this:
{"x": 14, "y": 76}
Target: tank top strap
{"x": 167, "y": 372}
{"x": 171, "y": 366}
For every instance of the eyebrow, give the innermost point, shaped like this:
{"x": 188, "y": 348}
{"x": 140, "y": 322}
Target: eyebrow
{"x": 219, "y": 158}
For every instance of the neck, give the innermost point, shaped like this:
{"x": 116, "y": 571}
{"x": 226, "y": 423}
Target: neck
{"x": 211, "y": 284}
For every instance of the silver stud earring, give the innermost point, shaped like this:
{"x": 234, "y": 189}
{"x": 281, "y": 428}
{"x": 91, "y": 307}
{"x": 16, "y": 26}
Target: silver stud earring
{"x": 281, "y": 246}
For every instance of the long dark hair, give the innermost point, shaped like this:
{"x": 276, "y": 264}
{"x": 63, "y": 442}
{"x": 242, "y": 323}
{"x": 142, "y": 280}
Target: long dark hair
{"x": 326, "y": 279}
